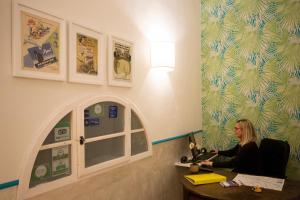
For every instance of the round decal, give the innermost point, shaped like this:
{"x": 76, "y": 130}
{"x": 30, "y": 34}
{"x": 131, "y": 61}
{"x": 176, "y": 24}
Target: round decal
{"x": 98, "y": 109}
{"x": 40, "y": 171}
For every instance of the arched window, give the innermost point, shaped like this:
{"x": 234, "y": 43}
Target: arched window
{"x": 54, "y": 158}
{"x": 101, "y": 132}
{"x": 138, "y": 136}
{"x": 103, "y": 129}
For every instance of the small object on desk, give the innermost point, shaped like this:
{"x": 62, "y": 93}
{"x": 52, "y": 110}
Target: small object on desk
{"x": 183, "y": 159}
{"x": 194, "y": 168}
{"x": 229, "y": 184}
{"x": 257, "y": 189}
{"x": 197, "y": 179}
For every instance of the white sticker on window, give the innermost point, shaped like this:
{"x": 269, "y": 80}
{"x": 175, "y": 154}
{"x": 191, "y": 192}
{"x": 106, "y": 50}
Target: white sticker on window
{"x": 60, "y": 161}
{"x": 40, "y": 171}
{"x": 98, "y": 109}
{"x": 61, "y": 134}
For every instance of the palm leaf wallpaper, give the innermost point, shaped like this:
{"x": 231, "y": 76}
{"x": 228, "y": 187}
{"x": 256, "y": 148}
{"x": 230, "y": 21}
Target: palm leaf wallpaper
{"x": 251, "y": 69}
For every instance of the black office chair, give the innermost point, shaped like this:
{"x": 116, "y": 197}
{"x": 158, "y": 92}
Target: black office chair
{"x": 274, "y": 155}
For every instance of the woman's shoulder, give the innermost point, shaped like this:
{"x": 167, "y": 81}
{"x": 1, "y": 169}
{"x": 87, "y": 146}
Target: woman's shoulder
{"x": 251, "y": 144}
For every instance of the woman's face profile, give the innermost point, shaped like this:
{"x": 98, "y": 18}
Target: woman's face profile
{"x": 238, "y": 130}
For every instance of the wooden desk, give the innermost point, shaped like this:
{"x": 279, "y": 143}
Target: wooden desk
{"x": 291, "y": 190}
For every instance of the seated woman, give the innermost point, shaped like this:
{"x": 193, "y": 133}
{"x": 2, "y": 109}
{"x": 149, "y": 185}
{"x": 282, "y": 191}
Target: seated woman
{"x": 245, "y": 155}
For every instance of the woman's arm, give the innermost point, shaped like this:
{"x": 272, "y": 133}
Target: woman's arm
{"x": 230, "y": 152}
{"x": 242, "y": 158}
{"x": 225, "y": 164}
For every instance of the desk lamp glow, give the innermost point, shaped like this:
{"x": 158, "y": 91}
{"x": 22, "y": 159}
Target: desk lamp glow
{"x": 163, "y": 55}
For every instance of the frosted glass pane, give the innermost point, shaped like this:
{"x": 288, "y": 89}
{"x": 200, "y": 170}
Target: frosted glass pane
{"x": 104, "y": 150}
{"x": 135, "y": 121}
{"x": 138, "y": 143}
{"x": 103, "y": 118}
{"x": 51, "y": 164}
{"x": 60, "y": 132}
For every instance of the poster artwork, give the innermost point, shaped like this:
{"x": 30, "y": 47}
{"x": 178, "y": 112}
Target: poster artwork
{"x": 122, "y": 61}
{"x": 87, "y": 51}
{"x": 40, "y": 43}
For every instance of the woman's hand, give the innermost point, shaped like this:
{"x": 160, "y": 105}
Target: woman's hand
{"x": 206, "y": 162}
{"x": 216, "y": 151}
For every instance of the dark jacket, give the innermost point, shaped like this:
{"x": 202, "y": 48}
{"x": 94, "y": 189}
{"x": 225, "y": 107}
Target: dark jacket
{"x": 246, "y": 159}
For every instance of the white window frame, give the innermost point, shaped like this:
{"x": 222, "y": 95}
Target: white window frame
{"x": 77, "y": 154}
{"x": 24, "y": 191}
{"x": 149, "y": 143}
{"x": 80, "y": 133}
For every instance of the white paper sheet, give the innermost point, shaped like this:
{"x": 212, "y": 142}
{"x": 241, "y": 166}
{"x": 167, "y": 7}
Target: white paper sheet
{"x": 182, "y": 164}
{"x": 261, "y": 181}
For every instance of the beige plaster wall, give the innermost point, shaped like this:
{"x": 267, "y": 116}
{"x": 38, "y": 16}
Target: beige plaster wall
{"x": 9, "y": 193}
{"x": 170, "y": 102}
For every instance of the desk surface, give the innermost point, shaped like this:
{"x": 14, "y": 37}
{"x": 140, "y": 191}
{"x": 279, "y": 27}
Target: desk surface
{"x": 291, "y": 190}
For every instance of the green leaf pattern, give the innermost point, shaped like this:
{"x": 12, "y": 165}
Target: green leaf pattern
{"x": 250, "y": 52}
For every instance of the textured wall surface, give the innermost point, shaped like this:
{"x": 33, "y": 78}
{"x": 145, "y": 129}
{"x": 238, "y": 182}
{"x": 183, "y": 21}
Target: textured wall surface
{"x": 251, "y": 69}
{"x": 8, "y": 194}
{"x": 155, "y": 177}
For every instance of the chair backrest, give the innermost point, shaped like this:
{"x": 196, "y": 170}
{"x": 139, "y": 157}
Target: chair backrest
{"x": 274, "y": 155}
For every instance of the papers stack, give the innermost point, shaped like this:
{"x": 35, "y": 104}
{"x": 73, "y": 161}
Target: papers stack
{"x": 261, "y": 181}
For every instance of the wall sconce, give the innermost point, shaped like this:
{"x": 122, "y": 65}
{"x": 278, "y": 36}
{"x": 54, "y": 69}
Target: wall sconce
{"x": 163, "y": 55}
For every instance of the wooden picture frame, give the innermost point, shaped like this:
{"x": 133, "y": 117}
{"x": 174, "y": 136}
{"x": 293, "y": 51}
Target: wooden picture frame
{"x": 121, "y": 62}
{"x": 39, "y": 44}
{"x": 86, "y": 55}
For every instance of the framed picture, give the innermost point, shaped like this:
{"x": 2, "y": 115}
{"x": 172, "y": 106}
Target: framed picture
{"x": 39, "y": 49}
{"x": 121, "y": 62}
{"x": 87, "y": 55}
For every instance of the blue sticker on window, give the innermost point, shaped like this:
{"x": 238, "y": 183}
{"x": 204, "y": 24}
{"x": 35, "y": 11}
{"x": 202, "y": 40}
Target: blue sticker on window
{"x": 91, "y": 121}
{"x": 113, "y": 111}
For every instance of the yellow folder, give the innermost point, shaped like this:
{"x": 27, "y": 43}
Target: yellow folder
{"x": 197, "y": 179}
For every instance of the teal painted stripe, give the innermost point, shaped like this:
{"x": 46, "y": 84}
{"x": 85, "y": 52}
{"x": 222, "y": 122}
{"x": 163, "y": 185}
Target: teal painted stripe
{"x": 16, "y": 182}
{"x": 175, "y": 137}
{"x": 9, "y": 184}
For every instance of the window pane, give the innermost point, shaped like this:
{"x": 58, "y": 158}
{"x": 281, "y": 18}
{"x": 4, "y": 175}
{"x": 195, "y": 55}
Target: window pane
{"x": 103, "y": 118}
{"x": 138, "y": 143}
{"x": 51, "y": 164}
{"x": 60, "y": 132}
{"x": 135, "y": 121}
{"x": 104, "y": 150}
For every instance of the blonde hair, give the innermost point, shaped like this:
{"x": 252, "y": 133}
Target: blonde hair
{"x": 248, "y": 131}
